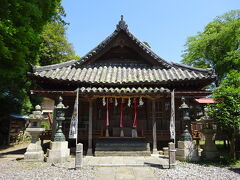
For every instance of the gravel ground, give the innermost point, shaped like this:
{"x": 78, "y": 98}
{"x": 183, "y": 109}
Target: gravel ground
{"x": 191, "y": 171}
{"x": 12, "y": 169}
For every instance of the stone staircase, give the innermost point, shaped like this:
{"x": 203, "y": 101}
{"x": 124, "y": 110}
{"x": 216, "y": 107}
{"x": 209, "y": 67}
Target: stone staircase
{"x": 122, "y": 146}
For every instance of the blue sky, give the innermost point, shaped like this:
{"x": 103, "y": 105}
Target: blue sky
{"x": 164, "y": 24}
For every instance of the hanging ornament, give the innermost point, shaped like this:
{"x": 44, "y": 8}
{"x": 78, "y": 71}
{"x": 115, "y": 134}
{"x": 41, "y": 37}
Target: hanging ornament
{"x": 111, "y": 100}
{"x": 116, "y": 102}
{"x": 129, "y": 102}
{"x": 104, "y": 101}
{"x": 141, "y": 101}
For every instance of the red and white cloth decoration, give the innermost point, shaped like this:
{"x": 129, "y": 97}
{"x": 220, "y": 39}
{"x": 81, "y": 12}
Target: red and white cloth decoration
{"x": 122, "y": 114}
{"x": 135, "y": 114}
{"x": 107, "y": 114}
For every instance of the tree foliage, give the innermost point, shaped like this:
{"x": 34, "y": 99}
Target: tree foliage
{"x": 218, "y": 46}
{"x": 227, "y": 111}
{"x": 55, "y": 47}
{"x": 21, "y": 22}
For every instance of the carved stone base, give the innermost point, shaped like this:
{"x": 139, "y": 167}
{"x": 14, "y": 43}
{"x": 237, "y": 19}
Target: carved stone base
{"x": 58, "y": 152}
{"x": 155, "y": 151}
{"x": 34, "y": 152}
{"x": 89, "y": 152}
{"x": 187, "y": 151}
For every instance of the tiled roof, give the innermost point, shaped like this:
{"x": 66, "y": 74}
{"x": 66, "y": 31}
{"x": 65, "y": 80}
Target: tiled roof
{"x": 82, "y": 72}
{"x": 120, "y": 75}
{"x": 127, "y": 90}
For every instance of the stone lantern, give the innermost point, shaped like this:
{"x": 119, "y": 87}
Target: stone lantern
{"x": 59, "y": 151}
{"x": 186, "y": 148}
{"x": 184, "y": 108}
{"x": 60, "y": 117}
{"x": 34, "y": 150}
{"x": 208, "y": 130}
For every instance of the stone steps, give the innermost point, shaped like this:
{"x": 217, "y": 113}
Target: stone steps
{"x": 122, "y": 153}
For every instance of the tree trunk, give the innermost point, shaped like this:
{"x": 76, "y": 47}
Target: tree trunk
{"x": 232, "y": 146}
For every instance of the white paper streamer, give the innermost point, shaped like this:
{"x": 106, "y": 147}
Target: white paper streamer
{"x": 129, "y": 102}
{"x": 141, "y": 101}
{"x": 116, "y": 103}
{"x": 104, "y": 101}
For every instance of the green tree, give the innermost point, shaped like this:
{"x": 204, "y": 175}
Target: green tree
{"x": 55, "y": 47}
{"x": 227, "y": 111}
{"x": 218, "y": 46}
{"x": 21, "y": 22}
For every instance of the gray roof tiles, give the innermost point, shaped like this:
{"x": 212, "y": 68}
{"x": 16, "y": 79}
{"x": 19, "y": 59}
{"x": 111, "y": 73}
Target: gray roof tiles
{"x": 79, "y": 71}
{"x": 114, "y": 75}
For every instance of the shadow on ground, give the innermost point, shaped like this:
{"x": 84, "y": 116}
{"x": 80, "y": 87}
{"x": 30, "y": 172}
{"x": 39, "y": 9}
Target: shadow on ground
{"x": 14, "y": 152}
{"x": 236, "y": 170}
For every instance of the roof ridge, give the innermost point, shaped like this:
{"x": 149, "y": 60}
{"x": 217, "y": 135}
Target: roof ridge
{"x": 53, "y": 66}
{"x": 207, "y": 70}
{"x": 122, "y": 25}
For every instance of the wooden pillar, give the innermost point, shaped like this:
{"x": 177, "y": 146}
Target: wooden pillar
{"x": 89, "y": 152}
{"x": 154, "y": 126}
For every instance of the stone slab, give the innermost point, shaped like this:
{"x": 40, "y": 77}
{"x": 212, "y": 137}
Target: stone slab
{"x": 125, "y": 173}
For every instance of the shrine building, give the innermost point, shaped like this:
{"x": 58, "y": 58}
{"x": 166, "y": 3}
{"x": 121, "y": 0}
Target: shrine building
{"x": 124, "y": 93}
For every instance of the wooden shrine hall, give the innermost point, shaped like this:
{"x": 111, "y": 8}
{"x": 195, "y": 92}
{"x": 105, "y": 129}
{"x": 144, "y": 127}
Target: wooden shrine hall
{"x": 124, "y": 93}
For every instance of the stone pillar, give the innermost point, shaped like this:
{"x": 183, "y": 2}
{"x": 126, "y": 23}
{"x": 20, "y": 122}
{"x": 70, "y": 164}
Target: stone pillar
{"x": 89, "y": 152}
{"x": 172, "y": 155}
{"x": 154, "y": 127}
{"x": 79, "y": 156}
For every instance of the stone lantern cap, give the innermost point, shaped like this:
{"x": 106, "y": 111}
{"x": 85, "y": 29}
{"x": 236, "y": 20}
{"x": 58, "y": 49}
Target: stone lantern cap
{"x": 36, "y": 117}
{"x": 206, "y": 118}
{"x": 60, "y": 104}
{"x": 207, "y": 121}
{"x": 184, "y": 105}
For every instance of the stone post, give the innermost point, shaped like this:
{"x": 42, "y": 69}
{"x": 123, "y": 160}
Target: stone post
{"x": 154, "y": 127}
{"x": 89, "y": 152}
{"x": 172, "y": 155}
{"x": 79, "y": 156}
